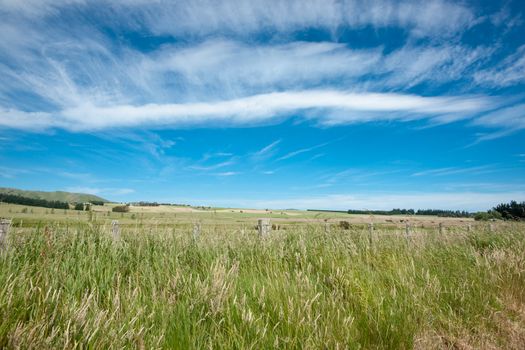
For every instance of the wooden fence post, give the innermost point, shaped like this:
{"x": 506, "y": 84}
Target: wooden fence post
{"x": 491, "y": 228}
{"x": 4, "y": 229}
{"x": 441, "y": 228}
{"x": 370, "y": 233}
{"x": 327, "y": 227}
{"x": 115, "y": 230}
{"x": 407, "y": 231}
{"x": 196, "y": 230}
{"x": 264, "y": 227}
{"x": 469, "y": 228}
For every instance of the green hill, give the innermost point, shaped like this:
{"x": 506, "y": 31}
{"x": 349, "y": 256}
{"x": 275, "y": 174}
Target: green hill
{"x": 54, "y": 196}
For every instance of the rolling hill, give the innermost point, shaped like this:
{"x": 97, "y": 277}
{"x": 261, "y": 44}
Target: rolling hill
{"x": 61, "y": 196}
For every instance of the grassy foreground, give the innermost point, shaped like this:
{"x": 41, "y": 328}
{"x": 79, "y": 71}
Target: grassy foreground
{"x": 300, "y": 288}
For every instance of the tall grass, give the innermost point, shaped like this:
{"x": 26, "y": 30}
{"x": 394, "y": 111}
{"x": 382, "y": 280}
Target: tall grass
{"x": 299, "y": 288}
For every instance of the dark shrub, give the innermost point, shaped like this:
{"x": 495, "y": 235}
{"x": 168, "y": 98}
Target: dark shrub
{"x": 345, "y": 225}
{"x": 79, "y": 206}
{"x": 120, "y": 209}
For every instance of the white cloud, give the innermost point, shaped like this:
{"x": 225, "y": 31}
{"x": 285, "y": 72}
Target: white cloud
{"x": 11, "y": 173}
{"x": 234, "y": 67}
{"x": 301, "y": 151}
{"x": 101, "y": 191}
{"x": 350, "y": 107}
{"x": 508, "y": 72}
{"x": 36, "y": 8}
{"x": 266, "y": 151}
{"x": 506, "y": 121}
{"x": 223, "y": 69}
{"x": 412, "y": 65}
{"x": 240, "y": 17}
{"x": 228, "y": 173}
{"x": 243, "y": 17}
{"x": 483, "y": 169}
{"x": 226, "y": 163}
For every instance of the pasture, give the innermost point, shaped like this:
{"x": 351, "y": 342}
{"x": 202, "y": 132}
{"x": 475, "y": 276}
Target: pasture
{"x": 66, "y": 282}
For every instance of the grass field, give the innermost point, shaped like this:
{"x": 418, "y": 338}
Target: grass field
{"x": 169, "y": 215}
{"x": 66, "y": 283}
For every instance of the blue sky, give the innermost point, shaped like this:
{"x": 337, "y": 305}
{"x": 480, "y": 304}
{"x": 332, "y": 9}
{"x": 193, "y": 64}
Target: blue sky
{"x": 267, "y": 104}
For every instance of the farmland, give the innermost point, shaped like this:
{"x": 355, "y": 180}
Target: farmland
{"x": 67, "y": 283}
{"x": 173, "y": 215}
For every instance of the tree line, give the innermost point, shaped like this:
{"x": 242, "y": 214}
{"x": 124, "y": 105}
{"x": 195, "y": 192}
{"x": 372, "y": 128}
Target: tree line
{"x": 38, "y": 202}
{"x": 397, "y": 211}
{"x": 144, "y": 204}
{"x": 504, "y": 211}
{"x": 511, "y": 211}
{"x": 33, "y": 202}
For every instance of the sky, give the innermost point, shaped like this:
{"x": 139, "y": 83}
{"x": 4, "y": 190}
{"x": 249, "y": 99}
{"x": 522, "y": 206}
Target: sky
{"x": 302, "y": 104}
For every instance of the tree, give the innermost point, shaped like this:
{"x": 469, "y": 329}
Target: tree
{"x": 79, "y": 206}
{"x": 512, "y": 210}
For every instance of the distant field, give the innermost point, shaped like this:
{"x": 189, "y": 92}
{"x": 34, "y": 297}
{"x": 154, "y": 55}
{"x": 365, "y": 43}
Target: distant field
{"x": 180, "y": 215}
{"x": 65, "y": 283}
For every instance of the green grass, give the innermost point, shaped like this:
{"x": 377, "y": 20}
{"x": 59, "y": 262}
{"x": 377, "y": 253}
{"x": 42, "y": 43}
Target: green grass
{"x": 300, "y": 288}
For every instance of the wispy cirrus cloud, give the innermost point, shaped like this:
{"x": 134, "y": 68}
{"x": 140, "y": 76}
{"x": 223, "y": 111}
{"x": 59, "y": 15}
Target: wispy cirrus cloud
{"x": 504, "y": 121}
{"x": 238, "y": 17}
{"x": 301, "y": 151}
{"x": 213, "y": 166}
{"x": 242, "y": 18}
{"x": 509, "y": 117}
{"x": 101, "y": 191}
{"x": 508, "y": 72}
{"x": 358, "y": 107}
{"x": 267, "y": 150}
{"x": 228, "y": 173}
{"x": 11, "y": 173}
{"x": 476, "y": 170}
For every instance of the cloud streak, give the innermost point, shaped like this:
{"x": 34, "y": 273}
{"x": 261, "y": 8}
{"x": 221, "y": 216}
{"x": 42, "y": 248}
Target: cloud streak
{"x": 483, "y": 169}
{"x": 240, "y": 17}
{"x": 101, "y": 191}
{"x": 301, "y": 151}
{"x": 510, "y": 71}
{"x": 254, "y": 110}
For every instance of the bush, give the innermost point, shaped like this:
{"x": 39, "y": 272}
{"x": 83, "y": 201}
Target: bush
{"x": 79, "y": 206}
{"x": 120, "y": 209}
{"x": 486, "y": 216}
{"x": 345, "y": 225}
